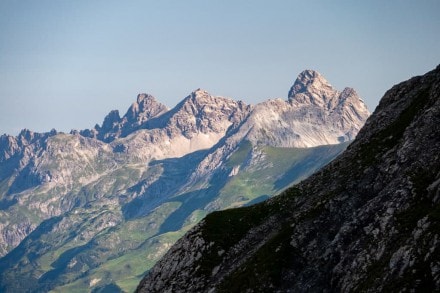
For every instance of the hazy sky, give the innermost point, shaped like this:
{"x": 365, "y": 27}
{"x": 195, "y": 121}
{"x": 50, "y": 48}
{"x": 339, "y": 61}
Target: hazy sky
{"x": 65, "y": 64}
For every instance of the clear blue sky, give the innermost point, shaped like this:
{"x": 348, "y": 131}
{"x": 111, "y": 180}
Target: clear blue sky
{"x": 65, "y": 64}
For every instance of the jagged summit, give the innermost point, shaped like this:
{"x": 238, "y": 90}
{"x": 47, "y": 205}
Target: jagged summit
{"x": 367, "y": 222}
{"x": 138, "y": 114}
{"x": 204, "y": 113}
{"x": 199, "y": 90}
{"x": 201, "y": 98}
{"x": 310, "y": 82}
{"x": 145, "y": 107}
{"x": 123, "y": 185}
{"x": 145, "y": 97}
{"x": 312, "y": 89}
{"x": 315, "y": 114}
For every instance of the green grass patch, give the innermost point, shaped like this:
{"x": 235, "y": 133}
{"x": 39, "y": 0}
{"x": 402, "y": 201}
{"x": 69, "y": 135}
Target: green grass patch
{"x": 280, "y": 168}
{"x": 125, "y": 252}
{"x": 239, "y": 156}
{"x": 225, "y": 228}
{"x": 195, "y": 217}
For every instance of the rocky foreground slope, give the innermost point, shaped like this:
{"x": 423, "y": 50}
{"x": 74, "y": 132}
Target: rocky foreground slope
{"x": 98, "y": 207}
{"x": 368, "y": 221}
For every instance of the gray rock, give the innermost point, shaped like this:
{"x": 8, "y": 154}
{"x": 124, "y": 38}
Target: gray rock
{"x": 368, "y": 221}
{"x": 72, "y": 203}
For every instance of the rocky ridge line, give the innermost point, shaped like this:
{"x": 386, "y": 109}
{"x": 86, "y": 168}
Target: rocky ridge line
{"x": 367, "y": 222}
{"x": 155, "y": 171}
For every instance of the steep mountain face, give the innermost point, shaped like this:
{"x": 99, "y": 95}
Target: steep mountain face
{"x": 315, "y": 114}
{"x": 368, "y": 221}
{"x": 74, "y": 207}
{"x": 312, "y": 94}
{"x": 333, "y": 117}
{"x": 145, "y": 108}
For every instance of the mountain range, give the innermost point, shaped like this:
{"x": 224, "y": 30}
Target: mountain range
{"x": 95, "y": 209}
{"x": 369, "y": 221}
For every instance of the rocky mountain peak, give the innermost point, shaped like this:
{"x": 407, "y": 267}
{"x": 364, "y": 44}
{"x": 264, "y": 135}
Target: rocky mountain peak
{"x": 201, "y": 97}
{"x": 199, "y": 91}
{"x": 348, "y": 92}
{"x": 164, "y": 169}
{"x": 367, "y": 222}
{"x": 205, "y": 113}
{"x": 145, "y": 98}
{"x": 25, "y": 135}
{"x": 310, "y": 82}
{"x": 110, "y": 120}
{"x": 314, "y": 95}
{"x": 315, "y": 114}
{"x": 350, "y": 98}
{"x": 145, "y": 107}
{"x": 200, "y": 101}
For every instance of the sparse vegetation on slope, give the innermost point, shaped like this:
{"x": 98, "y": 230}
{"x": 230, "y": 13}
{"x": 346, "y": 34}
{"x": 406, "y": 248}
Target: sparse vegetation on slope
{"x": 93, "y": 210}
{"x": 367, "y": 222}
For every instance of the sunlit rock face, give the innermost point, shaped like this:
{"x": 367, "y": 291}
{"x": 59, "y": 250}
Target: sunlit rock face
{"x": 366, "y": 222}
{"x": 71, "y": 205}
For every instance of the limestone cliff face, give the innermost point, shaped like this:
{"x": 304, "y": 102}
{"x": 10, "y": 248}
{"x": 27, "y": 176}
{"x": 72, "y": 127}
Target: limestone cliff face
{"x": 71, "y": 204}
{"x": 368, "y": 221}
{"x": 315, "y": 114}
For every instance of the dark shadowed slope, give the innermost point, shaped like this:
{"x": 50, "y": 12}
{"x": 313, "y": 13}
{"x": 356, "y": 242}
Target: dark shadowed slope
{"x": 369, "y": 221}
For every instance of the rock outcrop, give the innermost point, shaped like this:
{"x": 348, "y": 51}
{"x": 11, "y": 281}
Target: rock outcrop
{"x": 368, "y": 221}
{"x": 145, "y": 108}
{"x": 325, "y": 117}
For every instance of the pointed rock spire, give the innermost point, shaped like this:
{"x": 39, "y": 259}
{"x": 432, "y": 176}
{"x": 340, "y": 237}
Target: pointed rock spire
{"x": 309, "y": 81}
{"x": 312, "y": 89}
{"x": 110, "y": 120}
{"x": 145, "y": 107}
